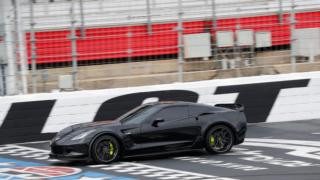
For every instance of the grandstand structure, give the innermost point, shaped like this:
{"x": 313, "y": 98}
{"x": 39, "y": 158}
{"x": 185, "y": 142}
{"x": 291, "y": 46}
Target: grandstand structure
{"x": 105, "y": 37}
{"x": 114, "y": 26}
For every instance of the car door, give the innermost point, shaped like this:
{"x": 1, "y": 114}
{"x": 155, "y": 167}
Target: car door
{"x": 131, "y": 127}
{"x": 175, "y": 130}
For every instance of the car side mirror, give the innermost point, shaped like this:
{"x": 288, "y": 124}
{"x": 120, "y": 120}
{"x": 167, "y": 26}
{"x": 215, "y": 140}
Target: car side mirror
{"x": 157, "y": 121}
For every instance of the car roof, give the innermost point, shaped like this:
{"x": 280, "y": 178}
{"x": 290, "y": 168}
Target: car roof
{"x": 173, "y": 103}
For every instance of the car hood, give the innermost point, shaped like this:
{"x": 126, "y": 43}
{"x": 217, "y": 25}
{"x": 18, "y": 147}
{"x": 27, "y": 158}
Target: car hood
{"x": 84, "y": 126}
{"x": 94, "y": 124}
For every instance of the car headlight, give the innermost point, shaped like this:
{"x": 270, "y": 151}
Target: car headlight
{"x": 82, "y": 135}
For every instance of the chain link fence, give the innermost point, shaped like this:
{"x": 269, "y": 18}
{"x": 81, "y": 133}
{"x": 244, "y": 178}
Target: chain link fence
{"x": 48, "y": 45}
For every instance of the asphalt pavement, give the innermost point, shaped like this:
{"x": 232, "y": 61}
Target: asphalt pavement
{"x": 279, "y": 151}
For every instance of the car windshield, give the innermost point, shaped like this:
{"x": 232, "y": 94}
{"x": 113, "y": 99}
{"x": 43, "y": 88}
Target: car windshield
{"x": 136, "y": 112}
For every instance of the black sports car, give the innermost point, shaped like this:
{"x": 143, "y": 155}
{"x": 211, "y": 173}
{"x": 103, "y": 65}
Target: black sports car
{"x": 154, "y": 128}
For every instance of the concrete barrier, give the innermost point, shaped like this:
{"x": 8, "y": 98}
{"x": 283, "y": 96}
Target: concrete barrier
{"x": 271, "y": 98}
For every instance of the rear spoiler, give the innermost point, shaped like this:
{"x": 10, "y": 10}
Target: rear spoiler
{"x": 237, "y": 107}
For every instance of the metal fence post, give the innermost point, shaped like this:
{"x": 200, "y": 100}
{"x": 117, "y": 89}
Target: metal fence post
{"x": 293, "y": 38}
{"x": 129, "y": 50}
{"x": 3, "y": 79}
{"x": 33, "y": 48}
{"x": 74, "y": 48}
{"x": 2, "y": 60}
{"x": 21, "y": 47}
{"x": 214, "y": 15}
{"x": 129, "y": 46}
{"x": 280, "y": 11}
{"x": 7, "y": 17}
{"x": 180, "y": 41}
{"x": 149, "y": 17}
{"x": 83, "y": 32}
{"x": 2, "y": 66}
{"x": 214, "y": 29}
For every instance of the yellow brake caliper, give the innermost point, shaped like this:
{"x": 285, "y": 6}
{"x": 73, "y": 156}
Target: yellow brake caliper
{"x": 111, "y": 149}
{"x": 211, "y": 140}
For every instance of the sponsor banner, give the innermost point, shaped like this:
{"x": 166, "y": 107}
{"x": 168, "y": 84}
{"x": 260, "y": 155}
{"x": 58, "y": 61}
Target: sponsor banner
{"x": 271, "y": 98}
{"x": 22, "y": 170}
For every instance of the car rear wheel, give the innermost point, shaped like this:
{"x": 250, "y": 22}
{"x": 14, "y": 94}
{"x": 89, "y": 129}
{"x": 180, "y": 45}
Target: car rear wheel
{"x": 219, "y": 139}
{"x": 105, "y": 149}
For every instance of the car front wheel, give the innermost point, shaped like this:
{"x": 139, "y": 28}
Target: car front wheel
{"x": 105, "y": 149}
{"x": 219, "y": 139}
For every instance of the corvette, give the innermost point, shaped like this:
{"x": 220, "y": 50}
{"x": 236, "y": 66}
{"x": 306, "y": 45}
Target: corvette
{"x": 152, "y": 128}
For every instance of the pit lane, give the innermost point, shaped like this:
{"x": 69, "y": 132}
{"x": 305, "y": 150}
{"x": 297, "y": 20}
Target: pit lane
{"x": 282, "y": 151}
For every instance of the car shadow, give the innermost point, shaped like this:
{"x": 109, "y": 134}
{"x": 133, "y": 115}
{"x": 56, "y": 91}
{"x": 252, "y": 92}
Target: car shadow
{"x": 166, "y": 155}
{"x": 136, "y": 158}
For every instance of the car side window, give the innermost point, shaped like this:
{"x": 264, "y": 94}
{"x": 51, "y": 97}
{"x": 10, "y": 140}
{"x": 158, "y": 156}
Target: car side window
{"x": 173, "y": 113}
{"x": 140, "y": 115}
{"x": 194, "y": 111}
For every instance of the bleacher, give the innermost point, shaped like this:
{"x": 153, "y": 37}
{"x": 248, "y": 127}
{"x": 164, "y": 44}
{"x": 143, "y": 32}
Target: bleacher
{"x": 118, "y": 28}
{"x": 104, "y": 13}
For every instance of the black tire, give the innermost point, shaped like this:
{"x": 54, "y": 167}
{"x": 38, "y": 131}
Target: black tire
{"x": 105, "y": 149}
{"x": 219, "y": 139}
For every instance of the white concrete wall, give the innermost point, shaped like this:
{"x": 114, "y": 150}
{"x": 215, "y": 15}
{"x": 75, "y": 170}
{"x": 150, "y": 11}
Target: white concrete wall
{"x": 296, "y": 103}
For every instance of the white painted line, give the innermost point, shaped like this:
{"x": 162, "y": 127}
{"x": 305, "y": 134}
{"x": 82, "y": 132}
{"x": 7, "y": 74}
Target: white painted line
{"x": 35, "y": 142}
{"x": 239, "y": 149}
{"x": 98, "y": 166}
{"x": 156, "y": 172}
{"x": 285, "y": 141}
{"x": 316, "y": 133}
{"x": 28, "y": 148}
{"x": 220, "y": 163}
{"x": 267, "y": 137}
{"x": 300, "y": 151}
{"x": 144, "y": 166}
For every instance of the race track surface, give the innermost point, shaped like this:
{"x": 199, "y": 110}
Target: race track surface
{"x": 275, "y": 151}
